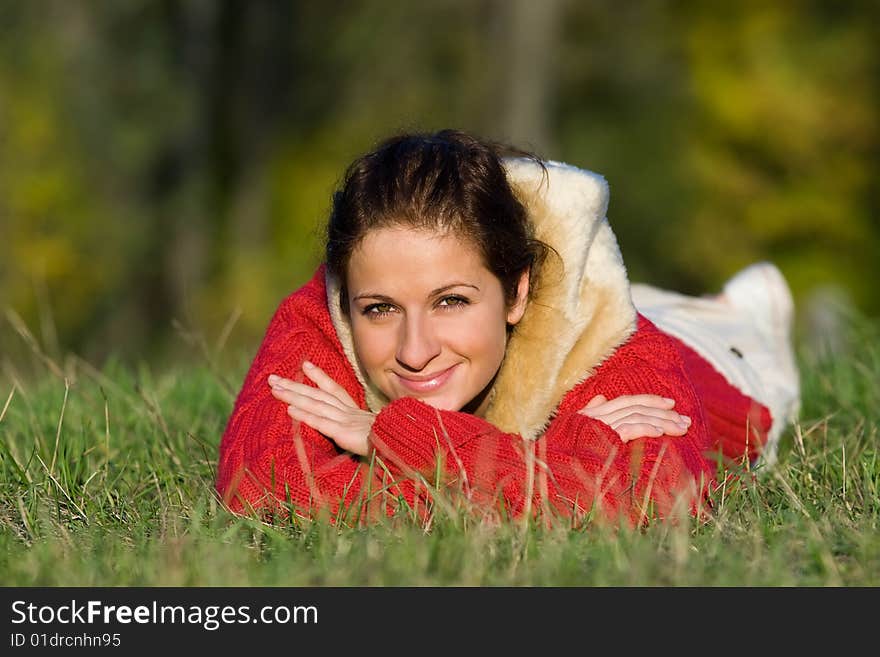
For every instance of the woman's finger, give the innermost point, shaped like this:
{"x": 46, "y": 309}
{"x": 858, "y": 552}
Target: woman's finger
{"x": 329, "y": 407}
{"x": 624, "y": 401}
{"x": 319, "y": 407}
{"x": 646, "y": 411}
{"x": 317, "y": 422}
{"x": 598, "y": 400}
{"x": 629, "y": 432}
{"x": 285, "y": 388}
{"x": 298, "y": 396}
{"x": 323, "y": 381}
{"x": 665, "y": 426}
{"x": 649, "y": 418}
{"x": 350, "y": 431}
{"x": 326, "y": 383}
{"x": 279, "y": 381}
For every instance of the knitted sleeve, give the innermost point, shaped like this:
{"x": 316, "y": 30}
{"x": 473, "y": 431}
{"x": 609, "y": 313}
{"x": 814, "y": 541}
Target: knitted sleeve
{"x": 267, "y": 458}
{"x": 579, "y": 465}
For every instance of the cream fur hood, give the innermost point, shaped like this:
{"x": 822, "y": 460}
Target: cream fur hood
{"x": 580, "y": 310}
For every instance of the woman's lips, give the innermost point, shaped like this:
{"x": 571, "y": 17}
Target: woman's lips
{"x": 427, "y": 383}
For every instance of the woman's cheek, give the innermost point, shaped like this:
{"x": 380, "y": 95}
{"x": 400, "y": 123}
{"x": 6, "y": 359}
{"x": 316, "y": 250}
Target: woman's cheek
{"x": 486, "y": 343}
{"x": 374, "y": 347}
{"x": 483, "y": 349}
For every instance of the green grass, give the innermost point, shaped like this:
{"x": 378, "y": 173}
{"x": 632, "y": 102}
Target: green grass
{"x": 106, "y": 479}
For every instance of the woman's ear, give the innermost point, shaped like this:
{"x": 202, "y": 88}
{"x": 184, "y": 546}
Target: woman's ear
{"x": 518, "y": 307}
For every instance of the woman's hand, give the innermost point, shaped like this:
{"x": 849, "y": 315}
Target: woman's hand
{"x": 328, "y": 409}
{"x": 637, "y": 416}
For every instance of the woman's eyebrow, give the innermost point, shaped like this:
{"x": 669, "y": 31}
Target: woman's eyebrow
{"x": 371, "y": 295}
{"x": 441, "y": 290}
{"x": 433, "y": 293}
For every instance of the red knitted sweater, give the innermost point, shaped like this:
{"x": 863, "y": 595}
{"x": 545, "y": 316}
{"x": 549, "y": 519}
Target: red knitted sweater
{"x": 579, "y": 464}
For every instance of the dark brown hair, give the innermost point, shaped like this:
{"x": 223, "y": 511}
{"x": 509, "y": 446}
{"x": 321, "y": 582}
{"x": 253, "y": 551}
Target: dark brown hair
{"x": 447, "y": 181}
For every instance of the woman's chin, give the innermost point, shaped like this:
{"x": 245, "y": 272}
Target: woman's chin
{"x": 443, "y": 404}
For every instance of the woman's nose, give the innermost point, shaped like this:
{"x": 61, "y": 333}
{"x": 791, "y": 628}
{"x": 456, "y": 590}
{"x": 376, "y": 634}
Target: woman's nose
{"x": 418, "y": 344}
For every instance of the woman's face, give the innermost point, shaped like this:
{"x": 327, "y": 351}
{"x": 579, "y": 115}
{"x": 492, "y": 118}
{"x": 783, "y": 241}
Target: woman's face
{"x": 428, "y": 318}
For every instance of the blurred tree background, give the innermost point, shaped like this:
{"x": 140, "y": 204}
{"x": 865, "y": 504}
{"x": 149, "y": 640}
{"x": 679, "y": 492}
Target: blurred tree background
{"x": 166, "y": 166}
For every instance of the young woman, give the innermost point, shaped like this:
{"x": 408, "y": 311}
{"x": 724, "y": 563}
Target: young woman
{"x": 473, "y": 331}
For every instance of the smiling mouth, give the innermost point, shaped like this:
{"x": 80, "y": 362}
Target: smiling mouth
{"x": 426, "y": 383}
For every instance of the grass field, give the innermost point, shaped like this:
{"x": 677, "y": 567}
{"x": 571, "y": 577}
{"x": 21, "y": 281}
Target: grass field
{"x": 106, "y": 479}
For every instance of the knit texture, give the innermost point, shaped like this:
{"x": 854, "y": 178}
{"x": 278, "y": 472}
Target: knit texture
{"x": 579, "y": 465}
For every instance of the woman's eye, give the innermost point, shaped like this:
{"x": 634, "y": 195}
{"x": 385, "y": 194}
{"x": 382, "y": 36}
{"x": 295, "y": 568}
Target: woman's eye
{"x": 378, "y": 310}
{"x": 453, "y": 301}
